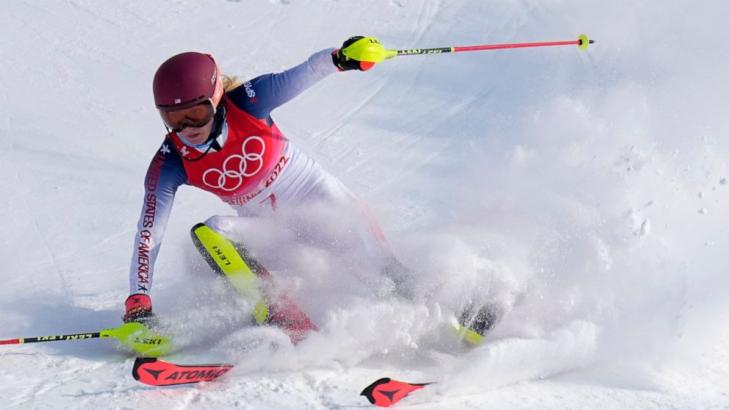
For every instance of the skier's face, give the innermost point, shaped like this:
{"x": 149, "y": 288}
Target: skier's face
{"x": 198, "y": 135}
{"x": 190, "y": 119}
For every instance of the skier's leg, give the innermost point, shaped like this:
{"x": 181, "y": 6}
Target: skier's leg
{"x": 329, "y": 191}
{"x": 475, "y": 320}
{"x": 248, "y": 277}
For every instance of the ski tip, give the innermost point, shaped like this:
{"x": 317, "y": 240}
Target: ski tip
{"x": 369, "y": 390}
{"x": 139, "y": 362}
{"x": 197, "y": 225}
{"x": 385, "y": 392}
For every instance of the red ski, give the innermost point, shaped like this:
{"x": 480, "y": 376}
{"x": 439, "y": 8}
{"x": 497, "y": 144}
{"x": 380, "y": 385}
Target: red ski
{"x": 385, "y": 392}
{"x": 155, "y": 372}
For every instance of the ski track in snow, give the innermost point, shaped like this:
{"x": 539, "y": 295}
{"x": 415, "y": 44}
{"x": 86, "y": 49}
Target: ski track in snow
{"x": 582, "y": 193}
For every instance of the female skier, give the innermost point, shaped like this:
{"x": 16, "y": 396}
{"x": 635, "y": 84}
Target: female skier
{"x": 224, "y": 141}
{"x": 221, "y": 138}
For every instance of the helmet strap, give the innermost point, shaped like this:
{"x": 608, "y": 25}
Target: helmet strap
{"x": 218, "y": 122}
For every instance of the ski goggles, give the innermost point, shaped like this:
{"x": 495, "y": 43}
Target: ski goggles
{"x": 194, "y": 117}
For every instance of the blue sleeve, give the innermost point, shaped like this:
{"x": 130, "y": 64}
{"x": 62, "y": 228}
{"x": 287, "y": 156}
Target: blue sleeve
{"x": 164, "y": 175}
{"x": 263, "y": 94}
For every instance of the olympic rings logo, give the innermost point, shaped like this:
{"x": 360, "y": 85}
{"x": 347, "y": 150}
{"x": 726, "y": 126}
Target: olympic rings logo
{"x": 237, "y": 167}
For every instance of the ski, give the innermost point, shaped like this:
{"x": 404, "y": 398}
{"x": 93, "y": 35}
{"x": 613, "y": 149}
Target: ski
{"x": 155, "y": 372}
{"x": 385, "y": 392}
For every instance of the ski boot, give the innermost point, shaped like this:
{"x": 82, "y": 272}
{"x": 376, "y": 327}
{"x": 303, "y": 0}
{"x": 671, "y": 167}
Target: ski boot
{"x": 473, "y": 325}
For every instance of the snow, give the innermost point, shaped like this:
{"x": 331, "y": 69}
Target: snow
{"x": 585, "y": 193}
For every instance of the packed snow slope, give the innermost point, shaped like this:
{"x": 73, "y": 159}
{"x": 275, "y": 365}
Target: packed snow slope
{"x": 584, "y": 194}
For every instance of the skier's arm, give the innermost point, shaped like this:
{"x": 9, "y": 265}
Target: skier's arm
{"x": 164, "y": 175}
{"x": 263, "y": 94}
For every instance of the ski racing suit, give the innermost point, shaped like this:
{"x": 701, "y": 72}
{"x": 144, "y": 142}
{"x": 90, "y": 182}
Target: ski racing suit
{"x": 256, "y": 171}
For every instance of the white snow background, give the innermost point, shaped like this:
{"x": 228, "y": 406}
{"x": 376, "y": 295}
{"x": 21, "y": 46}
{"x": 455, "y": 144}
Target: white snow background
{"x": 585, "y": 193}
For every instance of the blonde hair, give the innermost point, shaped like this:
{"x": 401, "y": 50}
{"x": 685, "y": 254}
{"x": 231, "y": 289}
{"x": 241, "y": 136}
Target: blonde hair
{"x": 231, "y": 82}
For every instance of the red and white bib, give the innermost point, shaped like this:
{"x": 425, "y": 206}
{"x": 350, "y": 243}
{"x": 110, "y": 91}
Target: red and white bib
{"x": 252, "y": 153}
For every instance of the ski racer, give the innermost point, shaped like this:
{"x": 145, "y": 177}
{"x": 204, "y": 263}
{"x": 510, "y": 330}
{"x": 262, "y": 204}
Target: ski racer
{"x": 221, "y": 139}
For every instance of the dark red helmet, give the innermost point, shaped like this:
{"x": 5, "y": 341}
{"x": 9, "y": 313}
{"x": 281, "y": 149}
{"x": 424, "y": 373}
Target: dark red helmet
{"x": 185, "y": 80}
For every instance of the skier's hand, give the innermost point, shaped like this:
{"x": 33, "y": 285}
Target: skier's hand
{"x": 138, "y": 308}
{"x": 345, "y": 63}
